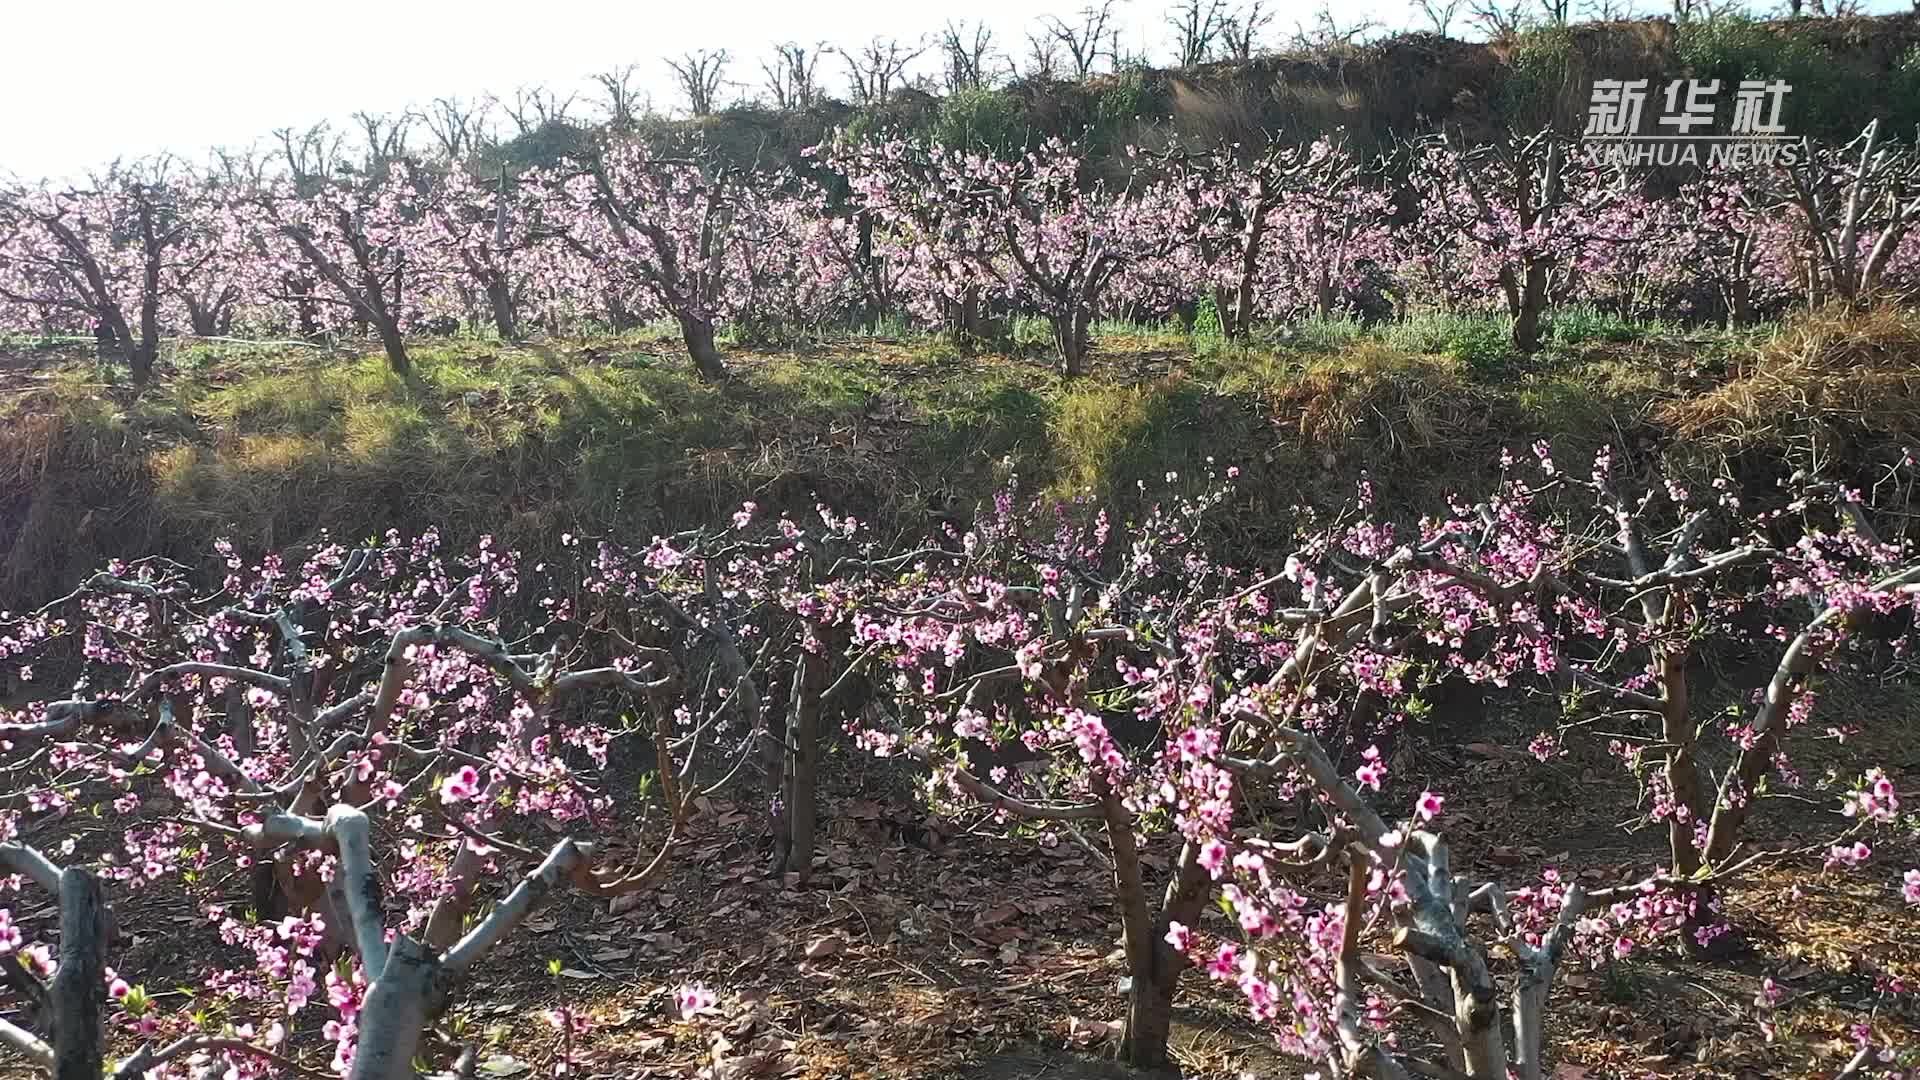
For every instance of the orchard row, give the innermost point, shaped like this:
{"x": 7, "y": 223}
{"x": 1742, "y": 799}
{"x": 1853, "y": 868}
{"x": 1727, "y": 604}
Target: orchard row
{"x": 887, "y": 228}
{"x": 375, "y": 737}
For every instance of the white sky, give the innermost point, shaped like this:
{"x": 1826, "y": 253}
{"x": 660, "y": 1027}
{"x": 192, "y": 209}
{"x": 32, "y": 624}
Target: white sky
{"x": 87, "y": 82}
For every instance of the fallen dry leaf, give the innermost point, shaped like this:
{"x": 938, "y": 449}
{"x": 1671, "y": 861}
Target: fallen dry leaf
{"x": 997, "y": 915}
{"x": 1084, "y": 1032}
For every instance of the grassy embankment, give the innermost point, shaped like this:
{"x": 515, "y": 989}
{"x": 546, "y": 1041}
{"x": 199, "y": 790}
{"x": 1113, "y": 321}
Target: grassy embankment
{"x": 268, "y": 446}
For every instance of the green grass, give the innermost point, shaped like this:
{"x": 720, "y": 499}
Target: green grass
{"x": 983, "y": 417}
{"x": 1320, "y": 335}
{"x": 1482, "y": 342}
{"x": 1589, "y": 400}
{"x": 1579, "y": 325}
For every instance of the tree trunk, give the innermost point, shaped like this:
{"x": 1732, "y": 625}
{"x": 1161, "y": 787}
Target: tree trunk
{"x": 1529, "y": 1012}
{"x": 1532, "y": 304}
{"x": 1070, "y": 339}
{"x": 776, "y": 762}
{"x": 872, "y": 305}
{"x": 1143, "y": 1043}
{"x": 698, "y": 334}
{"x": 500, "y": 299}
{"x": 396, "y": 1012}
{"x": 396, "y": 347}
{"x": 803, "y": 760}
{"x": 1683, "y": 778}
{"x": 140, "y": 357}
{"x": 148, "y": 348}
{"x": 1150, "y": 995}
{"x": 1236, "y": 317}
{"x": 114, "y": 332}
{"x": 201, "y": 318}
{"x": 447, "y": 920}
{"x": 1740, "y": 303}
{"x": 264, "y": 893}
{"x": 1249, "y": 271}
{"x": 306, "y": 308}
{"x": 77, "y": 997}
{"x": 1231, "y": 325}
{"x": 964, "y": 315}
{"x": 1149, "y": 1024}
{"x": 619, "y": 319}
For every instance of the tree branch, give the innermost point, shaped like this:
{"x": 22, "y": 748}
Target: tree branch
{"x": 151, "y": 684}
{"x": 24, "y": 860}
{"x": 35, "y": 1051}
{"x": 560, "y": 864}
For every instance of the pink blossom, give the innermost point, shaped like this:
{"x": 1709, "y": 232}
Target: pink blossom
{"x": 694, "y": 1000}
{"x": 1213, "y": 856}
{"x": 39, "y": 960}
{"x": 1179, "y": 936}
{"x": 1225, "y": 963}
{"x": 463, "y": 784}
{"x": 1848, "y": 855}
{"x": 1371, "y": 771}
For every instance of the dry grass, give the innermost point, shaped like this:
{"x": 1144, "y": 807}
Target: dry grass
{"x": 1390, "y": 401}
{"x": 1835, "y": 382}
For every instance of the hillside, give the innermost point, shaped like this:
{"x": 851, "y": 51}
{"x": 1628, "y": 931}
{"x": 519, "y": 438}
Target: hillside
{"x": 1844, "y": 72}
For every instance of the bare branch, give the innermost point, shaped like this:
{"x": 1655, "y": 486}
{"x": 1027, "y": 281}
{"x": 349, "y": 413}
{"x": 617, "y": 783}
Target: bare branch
{"x": 26, "y": 861}
{"x": 1438, "y": 13}
{"x": 968, "y": 55}
{"x": 461, "y": 129}
{"x": 147, "y": 1059}
{"x": 878, "y": 68}
{"x": 561, "y": 864}
{"x": 622, "y": 100}
{"x": 790, "y": 77}
{"x": 251, "y": 676}
{"x": 1088, "y": 39}
{"x": 699, "y": 75}
{"x": 27, "y": 1044}
{"x": 1240, "y": 37}
{"x": 1197, "y": 28}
